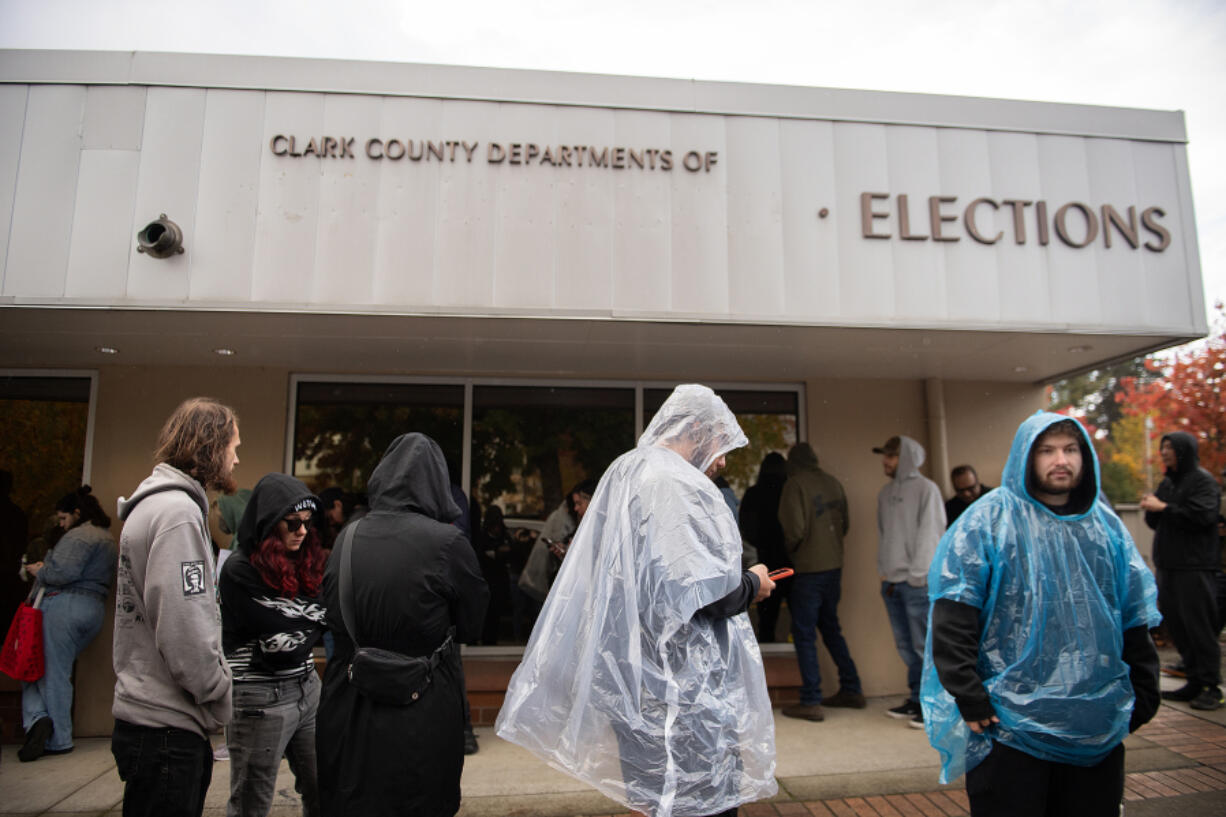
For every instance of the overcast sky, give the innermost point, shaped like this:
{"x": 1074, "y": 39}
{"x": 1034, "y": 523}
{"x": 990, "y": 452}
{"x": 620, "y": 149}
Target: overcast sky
{"x": 1161, "y": 54}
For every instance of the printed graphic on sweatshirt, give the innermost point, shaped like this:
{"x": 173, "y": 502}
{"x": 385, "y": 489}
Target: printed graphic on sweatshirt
{"x": 127, "y": 613}
{"x": 193, "y": 578}
{"x": 294, "y": 608}
{"x": 283, "y": 642}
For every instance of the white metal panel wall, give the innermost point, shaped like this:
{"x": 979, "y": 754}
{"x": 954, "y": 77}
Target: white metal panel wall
{"x": 12, "y": 120}
{"x": 45, "y": 193}
{"x": 222, "y": 245}
{"x": 742, "y": 240}
{"x": 168, "y": 183}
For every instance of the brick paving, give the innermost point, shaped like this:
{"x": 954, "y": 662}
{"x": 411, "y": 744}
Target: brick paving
{"x": 1201, "y": 742}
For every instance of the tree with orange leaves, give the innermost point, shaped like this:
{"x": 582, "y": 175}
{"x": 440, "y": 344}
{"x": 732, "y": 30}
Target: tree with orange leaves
{"x": 1186, "y": 396}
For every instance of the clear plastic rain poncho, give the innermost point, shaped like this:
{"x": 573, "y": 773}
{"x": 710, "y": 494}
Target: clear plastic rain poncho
{"x": 625, "y": 684}
{"x": 1055, "y": 595}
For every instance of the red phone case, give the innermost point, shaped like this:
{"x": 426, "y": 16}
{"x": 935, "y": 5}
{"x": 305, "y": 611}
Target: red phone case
{"x": 781, "y": 573}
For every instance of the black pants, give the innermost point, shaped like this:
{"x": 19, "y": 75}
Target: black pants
{"x": 1010, "y": 783}
{"x": 166, "y": 771}
{"x": 1187, "y": 601}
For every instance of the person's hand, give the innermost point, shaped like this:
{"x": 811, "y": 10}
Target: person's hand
{"x": 33, "y": 569}
{"x": 1149, "y": 502}
{"x": 979, "y": 727}
{"x": 767, "y": 585}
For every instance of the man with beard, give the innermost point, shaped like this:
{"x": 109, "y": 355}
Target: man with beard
{"x": 173, "y": 685}
{"x": 1040, "y": 661}
{"x": 1183, "y": 515}
{"x": 642, "y": 677}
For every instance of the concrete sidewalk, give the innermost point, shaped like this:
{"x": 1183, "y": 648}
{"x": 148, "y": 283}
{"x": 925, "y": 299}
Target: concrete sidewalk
{"x": 857, "y": 763}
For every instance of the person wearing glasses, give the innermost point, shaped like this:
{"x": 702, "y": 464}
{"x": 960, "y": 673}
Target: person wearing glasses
{"x": 271, "y": 617}
{"x": 967, "y": 488}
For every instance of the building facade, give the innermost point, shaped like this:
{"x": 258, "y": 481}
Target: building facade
{"x": 523, "y": 263}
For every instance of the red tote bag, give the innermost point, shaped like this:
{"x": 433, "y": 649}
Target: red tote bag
{"x": 22, "y": 656}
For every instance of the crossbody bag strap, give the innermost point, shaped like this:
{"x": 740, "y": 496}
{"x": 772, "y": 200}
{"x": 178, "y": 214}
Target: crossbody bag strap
{"x": 346, "y": 582}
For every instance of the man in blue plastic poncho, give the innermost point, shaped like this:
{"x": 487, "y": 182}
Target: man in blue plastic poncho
{"x": 1039, "y": 662}
{"x": 642, "y": 677}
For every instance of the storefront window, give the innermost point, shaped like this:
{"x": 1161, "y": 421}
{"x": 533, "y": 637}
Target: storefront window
{"x": 43, "y": 426}
{"x": 342, "y": 429}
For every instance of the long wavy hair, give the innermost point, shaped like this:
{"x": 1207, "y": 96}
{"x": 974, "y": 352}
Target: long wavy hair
{"x": 196, "y": 439}
{"x": 291, "y": 573}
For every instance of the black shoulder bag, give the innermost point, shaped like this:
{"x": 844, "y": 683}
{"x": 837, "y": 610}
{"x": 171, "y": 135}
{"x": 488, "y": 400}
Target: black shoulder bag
{"x": 386, "y": 677}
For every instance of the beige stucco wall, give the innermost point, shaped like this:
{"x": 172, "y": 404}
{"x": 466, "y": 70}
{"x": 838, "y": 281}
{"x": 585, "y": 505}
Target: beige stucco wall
{"x": 846, "y": 418}
{"x": 133, "y": 402}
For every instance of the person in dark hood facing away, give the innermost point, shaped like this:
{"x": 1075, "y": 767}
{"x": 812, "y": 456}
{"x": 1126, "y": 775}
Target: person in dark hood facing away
{"x": 759, "y": 523}
{"x": 416, "y": 590}
{"x": 271, "y": 618}
{"x": 1183, "y": 515}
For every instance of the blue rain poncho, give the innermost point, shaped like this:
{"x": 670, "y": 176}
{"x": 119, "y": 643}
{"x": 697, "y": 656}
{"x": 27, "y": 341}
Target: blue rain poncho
{"x": 624, "y": 683}
{"x": 1055, "y": 595}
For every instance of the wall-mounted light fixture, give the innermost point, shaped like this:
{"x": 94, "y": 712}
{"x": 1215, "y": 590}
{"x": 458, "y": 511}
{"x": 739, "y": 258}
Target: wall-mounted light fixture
{"x": 161, "y": 238}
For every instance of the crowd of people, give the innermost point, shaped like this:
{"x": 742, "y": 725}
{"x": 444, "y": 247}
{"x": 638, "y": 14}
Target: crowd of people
{"x": 1022, "y": 615}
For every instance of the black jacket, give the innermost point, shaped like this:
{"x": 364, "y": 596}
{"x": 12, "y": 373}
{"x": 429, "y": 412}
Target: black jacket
{"x": 1185, "y": 532}
{"x": 414, "y": 575}
{"x": 265, "y": 635}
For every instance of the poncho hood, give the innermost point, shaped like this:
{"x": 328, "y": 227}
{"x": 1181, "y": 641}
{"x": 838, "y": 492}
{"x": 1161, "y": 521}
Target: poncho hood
{"x": 1019, "y": 474}
{"x": 275, "y": 496}
{"x": 694, "y": 420}
{"x": 412, "y": 476}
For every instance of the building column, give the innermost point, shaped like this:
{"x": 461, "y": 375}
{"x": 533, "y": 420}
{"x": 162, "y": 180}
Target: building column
{"x": 938, "y": 440}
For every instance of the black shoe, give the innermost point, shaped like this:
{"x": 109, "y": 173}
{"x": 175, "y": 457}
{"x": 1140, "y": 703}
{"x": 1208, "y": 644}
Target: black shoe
{"x": 470, "y": 743}
{"x": 850, "y": 700}
{"x": 36, "y": 740}
{"x": 1208, "y": 700}
{"x": 1185, "y": 693}
{"x": 907, "y": 709}
{"x": 917, "y": 722}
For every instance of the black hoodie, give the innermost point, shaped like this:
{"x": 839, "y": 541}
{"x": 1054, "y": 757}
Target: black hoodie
{"x": 265, "y": 635}
{"x": 1185, "y": 533}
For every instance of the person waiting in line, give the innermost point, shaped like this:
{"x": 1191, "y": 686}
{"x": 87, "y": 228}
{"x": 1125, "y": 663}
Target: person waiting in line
{"x": 814, "y": 515}
{"x": 759, "y": 523}
{"x": 642, "y": 677}
{"x": 1183, "y": 514}
{"x": 74, "y": 578}
{"x": 967, "y": 488}
{"x": 553, "y": 541}
{"x": 1040, "y": 661}
{"x": 271, "y": 617}
{"x": 414, "y": 589}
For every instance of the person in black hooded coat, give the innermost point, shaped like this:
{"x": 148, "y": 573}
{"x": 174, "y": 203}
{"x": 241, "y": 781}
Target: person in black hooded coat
{"x": 414, "y": 577}
{"x": 271, "y": 618}
{"x": 1183, "y": 514}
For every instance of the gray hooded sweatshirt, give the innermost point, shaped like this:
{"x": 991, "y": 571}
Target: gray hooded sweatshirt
{"x": 169, "y": 664}
{"x": 910, "y": 519}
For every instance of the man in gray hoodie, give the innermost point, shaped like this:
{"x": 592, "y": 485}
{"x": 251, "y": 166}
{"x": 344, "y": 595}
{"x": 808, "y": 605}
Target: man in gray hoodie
{"x": 910, "y": 521}
{"x": 173, "y": 684}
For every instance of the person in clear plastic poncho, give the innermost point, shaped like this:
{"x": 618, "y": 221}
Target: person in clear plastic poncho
{"x": 1038, "y": 661}
{"x": 642, "y": 677}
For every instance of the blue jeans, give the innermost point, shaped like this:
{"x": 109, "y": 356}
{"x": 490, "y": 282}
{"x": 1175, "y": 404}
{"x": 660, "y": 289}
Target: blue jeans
{"x": 70, "y": 622}
{"x": 814, "y": 603}
{"x": 166, "y": 771}
{"x": 907, "y": 608}
{"x": 272, "y": 719}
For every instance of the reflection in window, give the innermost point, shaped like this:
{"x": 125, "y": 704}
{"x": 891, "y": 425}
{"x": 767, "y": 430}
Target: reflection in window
{"x": 43, "y": 424}
{"x": 342, "y": 429}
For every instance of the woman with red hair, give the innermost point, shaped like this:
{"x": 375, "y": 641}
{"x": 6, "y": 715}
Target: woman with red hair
{"x": 271, "y": 617}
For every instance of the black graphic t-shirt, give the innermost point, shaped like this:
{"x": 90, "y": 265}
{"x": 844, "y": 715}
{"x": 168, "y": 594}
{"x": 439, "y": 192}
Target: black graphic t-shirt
{"x": 265, "y": 636}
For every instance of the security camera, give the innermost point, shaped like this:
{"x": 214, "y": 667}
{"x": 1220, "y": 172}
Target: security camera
{"x": 161, "y": 238}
